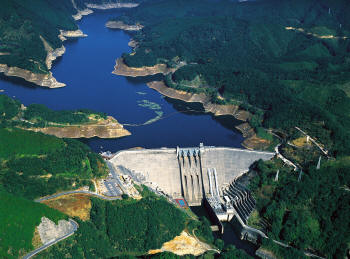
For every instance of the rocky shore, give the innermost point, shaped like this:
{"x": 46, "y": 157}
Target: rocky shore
{"x": 81, "y": 13}
{"x": 71, "y": 34}
{"x": 111, "y": 6}
{"x": 109, "y": 128}
{"x": 122, "y": 26}
{"x": 251, "y": 141}
{"x": 52, "y": 54}
{"x": 45, "y": 80}
{"x": 215, "y": 109}
{"x": 122, "y": 69}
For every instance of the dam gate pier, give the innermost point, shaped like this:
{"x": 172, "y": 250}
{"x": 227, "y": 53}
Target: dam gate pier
{"x": 192, "y": 173}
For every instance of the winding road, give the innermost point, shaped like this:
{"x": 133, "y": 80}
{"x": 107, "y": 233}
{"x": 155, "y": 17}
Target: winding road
{"x": 77, "y": 192}
{"x": 75, "y": 224}
{"x": 47, "y": 245}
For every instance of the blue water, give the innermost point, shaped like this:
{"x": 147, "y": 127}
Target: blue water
{"x": 86, "y": 69}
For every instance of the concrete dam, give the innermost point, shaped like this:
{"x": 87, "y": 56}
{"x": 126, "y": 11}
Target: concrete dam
{"x": 189, "y": 173}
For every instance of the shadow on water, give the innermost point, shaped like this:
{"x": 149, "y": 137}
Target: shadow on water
{"x": 227, "y": 121}
{"x": 18, "y": 82}
{"x": 144, "y": 79}
{"x": 86, "y": 69}
{"x": 230, "y": 236}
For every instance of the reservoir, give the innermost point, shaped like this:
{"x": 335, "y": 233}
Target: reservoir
{"x": 153, "y": 120}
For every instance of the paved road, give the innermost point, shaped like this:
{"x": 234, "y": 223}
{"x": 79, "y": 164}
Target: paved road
{"x": 38, "y": 250}
{"x": 285, "y": 160}
{"x": 323, "y": 150}
{"x": 76, "y": 192}
{"x": 116, "y": 177}
{"x": 75, "y": 224}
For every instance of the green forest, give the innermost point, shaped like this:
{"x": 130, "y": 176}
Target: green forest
{"x": 285, "y": 61}
{"x": 37, "y": 115}
{"x": 41, "y": 114}
{"x": 126, "y": 227}
{"x": 35, "y": 164}
{"x": 21, "y": 25}
{"x": 19, "y": 217}
{"x": 311, "y": 213}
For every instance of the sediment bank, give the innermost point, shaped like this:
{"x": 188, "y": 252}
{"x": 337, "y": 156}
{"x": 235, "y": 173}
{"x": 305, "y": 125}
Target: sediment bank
{"x": 251, "y": 141}
{"x": 71, "y": 34}
{"x": 122, "y": 69}
{"x": 81, "y": 13}
{"x": 122, "y": 26}
{"x": 45, "y": 80}
{"x": 108, "y": 128}
{"x": 215, "y": 109}
{"x": 52, "y": 54}
{"x": 111, "y": 6}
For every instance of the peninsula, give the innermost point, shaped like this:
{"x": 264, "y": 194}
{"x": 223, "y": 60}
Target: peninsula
{"x": 44, "y": 36}
{"x": 122, "y": 69}
{"x": 62, "y": 124}
{"x": 122, "y": 26}
{"x": 101, "y": 128}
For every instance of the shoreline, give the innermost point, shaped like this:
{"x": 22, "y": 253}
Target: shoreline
{"x": 47, "y": 79}
{"x": 251, "y": 140}
{"x": 209, "y": 107}
{"x": 80, "y": 13}
{"x": 44, "y": 80}
{"x": 122, "y": 26}
{"x": 109, "y": 128}
{"x": 121, "y": 69}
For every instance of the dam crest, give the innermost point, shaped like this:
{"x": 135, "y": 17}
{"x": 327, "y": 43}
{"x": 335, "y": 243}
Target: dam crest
{"x": 188, "y": 173}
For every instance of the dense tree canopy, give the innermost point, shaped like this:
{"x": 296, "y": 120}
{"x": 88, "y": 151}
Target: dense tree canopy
{"x": 286, "y": 58}
{"x": 312, "y": 213}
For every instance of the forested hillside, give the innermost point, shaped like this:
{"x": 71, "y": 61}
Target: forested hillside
{"x": 21, "y": 25}
{"x": 23, "y": 22}
{"x": 285, "y": 61}
{"x": 13, "y": 114}
{"x": 127, "y": 227}
{"x": 309, "y": 212}
{"x": 35, "y": 165}
{"x": 18, "y": 218}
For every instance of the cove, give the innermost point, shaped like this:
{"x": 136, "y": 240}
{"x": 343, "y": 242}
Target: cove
{"x": 153, "y": 120}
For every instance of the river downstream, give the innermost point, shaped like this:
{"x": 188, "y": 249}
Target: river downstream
{"x": 153, "y": 120}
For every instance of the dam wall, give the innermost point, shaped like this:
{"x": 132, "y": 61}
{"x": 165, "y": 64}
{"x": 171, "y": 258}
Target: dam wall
{"x": 183, "y": 172}
{"x": 158, "y": 166}
{"x": 230, "y": 163}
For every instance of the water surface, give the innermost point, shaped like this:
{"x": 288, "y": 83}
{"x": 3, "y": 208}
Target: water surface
{"x": 86, "y": 69}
